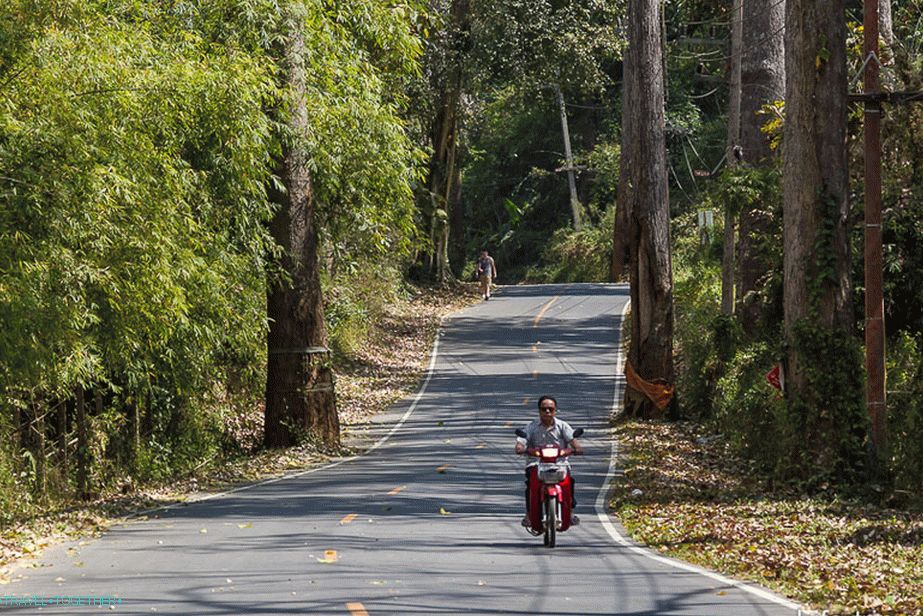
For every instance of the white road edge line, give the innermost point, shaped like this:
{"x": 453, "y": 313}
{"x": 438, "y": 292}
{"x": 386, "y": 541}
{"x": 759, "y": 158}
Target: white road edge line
{"x": 431, "y": 368}
{"x": 601, "y": 513}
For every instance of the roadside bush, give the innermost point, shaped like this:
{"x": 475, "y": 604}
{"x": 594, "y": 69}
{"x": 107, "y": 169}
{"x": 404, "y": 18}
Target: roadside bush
{"x": 697, "y": 293}
{"x": 576, "y": 256}
{"x": 905, "y": 414}
{"x": 749, "y": 411}
{"x": 355, "y": 299}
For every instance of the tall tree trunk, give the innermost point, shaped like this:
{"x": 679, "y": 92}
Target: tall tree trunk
{"x": 733, "y": 143}
{"x": 651, "y": 348}
{"x": 446, "y": 219}
{"x": 762, "y": 82}
{"x": 620, "y": 256}
{"x": 300, "y": 397}
{"x": 456, "y": 207}
{"x": 441, "y": 178}
{"x": 816, "y": 209}
{"x": 885, "y": 23}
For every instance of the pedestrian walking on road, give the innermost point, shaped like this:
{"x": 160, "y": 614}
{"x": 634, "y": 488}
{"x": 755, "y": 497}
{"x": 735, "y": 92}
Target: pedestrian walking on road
{"x": 486, "y": 271}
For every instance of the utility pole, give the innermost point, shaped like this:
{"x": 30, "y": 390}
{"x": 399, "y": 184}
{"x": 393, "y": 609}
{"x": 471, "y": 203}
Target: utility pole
{"x": 874, "y": 297}
{"x": 872, "y": 99}
{"x": 575, "y": 206}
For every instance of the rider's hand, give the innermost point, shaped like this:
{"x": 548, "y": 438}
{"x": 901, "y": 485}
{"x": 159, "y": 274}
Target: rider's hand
{"x": 567, "y": 452}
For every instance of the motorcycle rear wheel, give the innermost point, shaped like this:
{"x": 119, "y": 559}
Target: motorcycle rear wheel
{"x": 551, "y": 521}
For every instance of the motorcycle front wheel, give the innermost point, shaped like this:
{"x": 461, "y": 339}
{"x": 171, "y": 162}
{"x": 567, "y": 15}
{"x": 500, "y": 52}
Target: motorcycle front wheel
{"x": 551, "y": 521}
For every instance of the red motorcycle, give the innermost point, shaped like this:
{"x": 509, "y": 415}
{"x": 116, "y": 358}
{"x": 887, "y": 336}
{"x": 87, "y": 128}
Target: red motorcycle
{"x": 551, "y": 492}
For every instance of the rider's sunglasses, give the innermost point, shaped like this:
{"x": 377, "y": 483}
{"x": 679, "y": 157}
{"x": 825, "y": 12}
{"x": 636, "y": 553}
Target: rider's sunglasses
{"x": 548, "y": 410}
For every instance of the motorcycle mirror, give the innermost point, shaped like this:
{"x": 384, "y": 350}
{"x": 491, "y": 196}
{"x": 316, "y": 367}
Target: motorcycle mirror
{"x": 521, "y": 433}
{"x": 579, "y": 432}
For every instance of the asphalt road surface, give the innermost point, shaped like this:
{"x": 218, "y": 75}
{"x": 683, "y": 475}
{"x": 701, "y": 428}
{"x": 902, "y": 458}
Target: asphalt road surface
{"x": 428, "y": 521}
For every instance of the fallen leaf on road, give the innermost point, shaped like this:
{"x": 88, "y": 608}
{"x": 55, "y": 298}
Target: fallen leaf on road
{"x": 442, "y": 468}
{"x": 204, "y": 531}
{"x": 442, "y": 511}
{"x": 246, "y": 525}
{"x": 330, "y": 556}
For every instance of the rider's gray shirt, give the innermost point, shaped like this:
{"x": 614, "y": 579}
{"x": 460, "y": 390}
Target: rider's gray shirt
{"x": 559, "y": 434}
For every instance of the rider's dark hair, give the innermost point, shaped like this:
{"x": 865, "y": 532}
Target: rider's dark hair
{"x": 543, "y": 398}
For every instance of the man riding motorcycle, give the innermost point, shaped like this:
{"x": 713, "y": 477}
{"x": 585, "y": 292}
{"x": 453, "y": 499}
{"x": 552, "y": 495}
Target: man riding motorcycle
{"x": 547, "y": 430}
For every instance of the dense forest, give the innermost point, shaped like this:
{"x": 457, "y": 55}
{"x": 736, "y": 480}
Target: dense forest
{"x": 198, "y": 198}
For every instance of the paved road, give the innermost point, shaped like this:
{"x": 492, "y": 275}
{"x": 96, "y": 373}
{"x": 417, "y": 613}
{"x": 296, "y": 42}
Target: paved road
{"x": 427, "y": 523}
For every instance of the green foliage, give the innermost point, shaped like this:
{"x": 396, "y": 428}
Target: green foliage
{"x": 696, "y": 293}
{"x": 905, "y": 412}
{"x": 576, "y": 256}
{"x": 362, "y": 159}
{"x": 826, "y": 432}
{"x": 751, "y": 412}
{"x": 355, "y": 300}
{"x": 722, "y": 373}
{"x": 535, "y": 43}
{"x": 137, "y": 139}
{"x": 128, "y": 217}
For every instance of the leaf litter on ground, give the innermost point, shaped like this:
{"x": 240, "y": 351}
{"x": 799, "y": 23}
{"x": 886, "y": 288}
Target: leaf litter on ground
{"x": 688, "y": 496}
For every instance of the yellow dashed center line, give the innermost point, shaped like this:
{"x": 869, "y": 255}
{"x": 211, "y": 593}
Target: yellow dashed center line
{"x": 535, "y": 348}
{"x": 396, "y": 490}
{"x": 357, "y": 609}
{"x": 348, "y": 518}
{"x": 544, "y": 309}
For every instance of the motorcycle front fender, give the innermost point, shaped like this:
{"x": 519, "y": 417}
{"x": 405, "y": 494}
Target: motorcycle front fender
{"x": 555, "y": 492}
